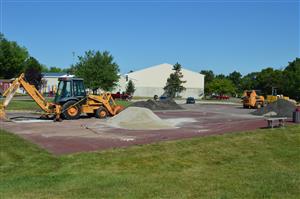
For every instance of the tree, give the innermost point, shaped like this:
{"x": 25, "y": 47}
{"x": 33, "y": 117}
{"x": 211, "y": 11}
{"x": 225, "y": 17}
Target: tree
{"x": 220, "y": 76}
{"x": 31, "y": 62}
{"x": 130, "y": 88}
{"x": 32, "y": 69}
{"x": 209, "y": 77}
{"x": 269, "y": 78}
{"x": 291, "y": 79}
{"x": 236, "y": 78}
{"x": 54, "y": 69}
{"x": 249, "y": 81}
{"x": 174, "y": 82}
{"x": 98, "y": 70}
{"x": 12, "y": 58}
{"x": 221, "y": 86}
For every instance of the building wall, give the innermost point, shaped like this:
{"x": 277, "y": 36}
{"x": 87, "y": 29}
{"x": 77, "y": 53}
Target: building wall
{"x": 121, "y": 85}
{"x": 51, "y": 84}
{"x": 151, "y": 81}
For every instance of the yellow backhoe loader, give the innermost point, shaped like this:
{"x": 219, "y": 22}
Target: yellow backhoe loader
{"x": 252, "y": 100}
{"x": 70, "y": 101}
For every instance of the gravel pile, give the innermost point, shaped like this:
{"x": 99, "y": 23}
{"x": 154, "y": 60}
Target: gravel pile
{"x": 283, "y": 108}
{"x": 158, "y": 105}
{"x": 136, "y": 118}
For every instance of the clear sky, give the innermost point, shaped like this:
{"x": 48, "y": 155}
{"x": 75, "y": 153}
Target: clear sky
{"x": 201, "y": 35}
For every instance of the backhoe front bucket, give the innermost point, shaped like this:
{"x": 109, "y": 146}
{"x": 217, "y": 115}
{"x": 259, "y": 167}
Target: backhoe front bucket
{"x": 3, "y": 116}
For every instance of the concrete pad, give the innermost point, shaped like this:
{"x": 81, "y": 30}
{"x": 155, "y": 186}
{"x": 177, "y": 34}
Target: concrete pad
{"x": 91, "y": 134}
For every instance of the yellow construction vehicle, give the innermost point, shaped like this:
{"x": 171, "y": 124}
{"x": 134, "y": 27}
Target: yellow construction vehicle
{"x": 70, "y": 101}
{"x": 252, "y": 100}
{"x": 274, "y": 97}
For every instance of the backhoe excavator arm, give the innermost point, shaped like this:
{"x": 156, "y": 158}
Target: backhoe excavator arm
{"x": 48, "y": 107}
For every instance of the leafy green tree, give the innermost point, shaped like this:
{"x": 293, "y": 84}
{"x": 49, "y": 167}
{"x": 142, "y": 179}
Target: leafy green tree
{"x": 130, "y": 88}
{"x": 249, "y": 81}
{"x": 236, "y": 78}
{"x": 54, "y": 69}
{"x": 12, "y": 58}
{"x": 221, "y": 86}
{"x": 269, "y": 78}
{"x": 220, "y": 76}
{"x": 174, "y": 83}
{"x": 209, "y": 77}
{"x": 32, "y": 69}
{"x": 291, "y": 79}
{"x": 98, "y": 70}
{"x": 31, "y": 62}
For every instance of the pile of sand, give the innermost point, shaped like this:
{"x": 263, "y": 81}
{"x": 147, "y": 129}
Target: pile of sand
{"x": 158, "y": 105}
{"x": 282, "y": 108}
{"x": 136, "y": 118}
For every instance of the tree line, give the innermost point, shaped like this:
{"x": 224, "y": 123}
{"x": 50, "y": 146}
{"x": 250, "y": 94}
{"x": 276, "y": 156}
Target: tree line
{"x": 99, "y": 70}
{"x": 286, "y": 81}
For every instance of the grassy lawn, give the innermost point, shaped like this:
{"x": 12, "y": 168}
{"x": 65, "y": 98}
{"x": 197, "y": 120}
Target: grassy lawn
{"x": 32, "y": 106}
{"x": 260, "y": 164}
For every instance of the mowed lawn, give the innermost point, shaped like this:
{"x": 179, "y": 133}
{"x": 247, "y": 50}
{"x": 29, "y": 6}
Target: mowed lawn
{"x": 260, "y": 164}
{"x": 30, "y": 105}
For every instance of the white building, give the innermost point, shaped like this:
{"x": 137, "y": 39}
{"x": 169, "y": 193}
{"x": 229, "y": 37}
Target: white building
{"x": 151, "y": 81}
{"x": 51, "y": 81}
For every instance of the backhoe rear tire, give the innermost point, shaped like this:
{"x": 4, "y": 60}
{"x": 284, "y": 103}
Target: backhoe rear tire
{"x": 71, "y": 111}
{"x": 101, "y": 113}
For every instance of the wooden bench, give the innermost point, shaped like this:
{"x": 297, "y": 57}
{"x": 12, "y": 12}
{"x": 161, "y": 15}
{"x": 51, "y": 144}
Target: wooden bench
{"x": 271, "y": 121}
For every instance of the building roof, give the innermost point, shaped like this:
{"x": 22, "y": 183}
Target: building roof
{"x": 156, "y": 76}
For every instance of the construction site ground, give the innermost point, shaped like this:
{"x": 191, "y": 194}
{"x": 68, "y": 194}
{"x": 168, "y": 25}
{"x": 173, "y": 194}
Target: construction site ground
{"x": 91, "y": 134}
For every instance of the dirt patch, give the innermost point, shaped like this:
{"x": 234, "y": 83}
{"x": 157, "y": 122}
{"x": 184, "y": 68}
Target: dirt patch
{"x": 137, "y": 118}
{"x": 158, "y": 105}
{"x": 282, "y": 108}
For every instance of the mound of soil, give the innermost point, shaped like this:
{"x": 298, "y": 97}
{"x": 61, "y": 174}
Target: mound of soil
{"x": 135, "y": 118}
{"x": 158, "y": 105}
{"x": 283, "y": 108}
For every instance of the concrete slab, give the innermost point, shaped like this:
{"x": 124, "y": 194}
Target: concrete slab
{"x": 91, "y": 134}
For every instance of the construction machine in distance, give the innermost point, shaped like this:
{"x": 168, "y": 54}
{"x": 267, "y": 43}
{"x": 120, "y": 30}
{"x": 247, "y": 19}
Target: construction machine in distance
{"x": 274, "y": 97}
{"x": 252, "y": 100}
{"x": 70, "y": 100}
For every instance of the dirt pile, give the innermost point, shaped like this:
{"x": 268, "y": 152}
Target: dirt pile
{"x": 283, "y": 108}
{"x": 136, "y": 118}
{"x": 158, "y": 105}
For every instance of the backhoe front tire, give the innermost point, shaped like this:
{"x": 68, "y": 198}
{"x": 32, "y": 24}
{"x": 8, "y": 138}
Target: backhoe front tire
{"x": 71, "y": 111}
{"x": 101, "y": 113}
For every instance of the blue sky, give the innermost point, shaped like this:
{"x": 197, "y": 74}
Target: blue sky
{"x": 222, "y": 36}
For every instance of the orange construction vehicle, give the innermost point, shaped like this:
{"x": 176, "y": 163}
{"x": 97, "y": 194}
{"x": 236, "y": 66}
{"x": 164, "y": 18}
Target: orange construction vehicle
{"x": 252, "y": 100}
{"x": 70, "y": 101}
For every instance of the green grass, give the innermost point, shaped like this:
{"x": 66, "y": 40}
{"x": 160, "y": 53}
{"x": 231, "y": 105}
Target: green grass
{"x": 260, "y": 164}
{"x": 30, "y": 105}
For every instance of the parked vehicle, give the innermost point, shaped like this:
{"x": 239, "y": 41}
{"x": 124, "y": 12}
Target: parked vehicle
{"x": 190, "y": 100}
{"x": 220, "y": 97}
{"x": 122, "y": 96}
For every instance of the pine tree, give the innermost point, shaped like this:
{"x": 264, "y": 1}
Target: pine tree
{"x": 174, "y": 83}
{"x": 130, "y": 88}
